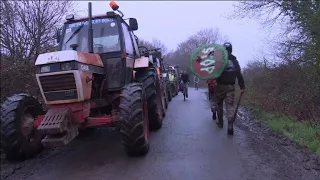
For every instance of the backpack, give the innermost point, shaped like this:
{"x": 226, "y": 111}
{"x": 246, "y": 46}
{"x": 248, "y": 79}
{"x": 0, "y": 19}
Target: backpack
{"x": 230, "y": 67}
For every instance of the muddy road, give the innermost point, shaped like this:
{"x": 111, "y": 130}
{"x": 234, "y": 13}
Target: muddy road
{"x": 188, "y": 147}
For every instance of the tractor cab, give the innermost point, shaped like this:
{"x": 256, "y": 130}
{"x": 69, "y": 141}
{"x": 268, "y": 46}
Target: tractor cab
{"x": 107, "y": 35}
{"x": 110, "y": 35}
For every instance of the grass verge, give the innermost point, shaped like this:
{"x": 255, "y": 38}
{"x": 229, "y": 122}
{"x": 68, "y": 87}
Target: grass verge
{"x": 301, "y": 132}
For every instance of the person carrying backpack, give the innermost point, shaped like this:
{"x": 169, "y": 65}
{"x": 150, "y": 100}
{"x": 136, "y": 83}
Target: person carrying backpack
{"x": 225, "y": 88}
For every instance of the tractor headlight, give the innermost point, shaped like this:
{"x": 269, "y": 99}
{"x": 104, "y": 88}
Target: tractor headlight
{"x": 66, "y": 66}
{"x": 45, "y": 69}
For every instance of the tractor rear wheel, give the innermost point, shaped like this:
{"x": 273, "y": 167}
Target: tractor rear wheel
{"x": 19, "y": 139}
{"x": 133, "y": 113}
{"x": 148, "y": 77}
{"x": 169, "y": 95}
{"x": 172, "y": 90}
{"x": 166, "y": 100}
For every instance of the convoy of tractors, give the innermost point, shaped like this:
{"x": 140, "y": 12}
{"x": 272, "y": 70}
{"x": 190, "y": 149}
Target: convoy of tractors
{"x": 99, "y": 76}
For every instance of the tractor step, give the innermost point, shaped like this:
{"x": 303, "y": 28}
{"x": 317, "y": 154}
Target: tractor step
{"x": 62, "y": 139}
{"x": 55, "y": 121}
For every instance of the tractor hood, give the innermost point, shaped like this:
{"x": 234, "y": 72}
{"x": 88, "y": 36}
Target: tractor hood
{"x": 69, "y": 55}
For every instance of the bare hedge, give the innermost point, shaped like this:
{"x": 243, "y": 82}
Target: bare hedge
{"x": 289, "y": 88}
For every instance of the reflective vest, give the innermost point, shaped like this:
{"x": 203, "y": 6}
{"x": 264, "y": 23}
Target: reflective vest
{"x": 171, "y": 77}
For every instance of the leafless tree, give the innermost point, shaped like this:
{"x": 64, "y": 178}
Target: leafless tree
{"x": 300, "y": 20}
{"x": 28, "y": 27}
{"x": 155, "y": 43}
{"x": 183, "y": 52}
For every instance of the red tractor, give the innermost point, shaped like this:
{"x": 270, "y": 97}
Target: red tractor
{"x": 98, "y": 77}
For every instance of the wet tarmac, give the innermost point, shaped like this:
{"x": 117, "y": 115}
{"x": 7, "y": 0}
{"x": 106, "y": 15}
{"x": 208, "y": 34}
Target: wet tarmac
{"x": 188, "y": 147}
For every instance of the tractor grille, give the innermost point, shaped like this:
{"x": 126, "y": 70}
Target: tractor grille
{"x": 59, "y": 87}
{"x": 59, "y": 82}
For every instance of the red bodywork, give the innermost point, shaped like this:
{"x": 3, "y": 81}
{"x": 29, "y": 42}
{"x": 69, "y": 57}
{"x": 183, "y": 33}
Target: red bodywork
{"x": 211, "y": 84}
{"x": 80, "y": 114}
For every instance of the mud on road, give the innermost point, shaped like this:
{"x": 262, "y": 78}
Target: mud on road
{"x": 275, "y": 150}
{"x": 189, "y": 146}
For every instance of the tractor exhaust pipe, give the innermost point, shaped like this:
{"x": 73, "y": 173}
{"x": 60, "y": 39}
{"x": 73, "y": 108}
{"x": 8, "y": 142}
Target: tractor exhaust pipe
{"x": 90, "y": 35}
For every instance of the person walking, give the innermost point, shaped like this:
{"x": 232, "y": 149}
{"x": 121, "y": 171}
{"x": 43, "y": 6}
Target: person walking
{"x": 225, "y": 89}
{"x": 211, "y": 88}
{"x": 196, "y": 82}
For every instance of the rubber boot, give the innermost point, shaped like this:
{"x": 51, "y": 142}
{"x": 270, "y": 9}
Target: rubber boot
{"x": 230, "y": 128}
{"x": 214, "y": 116}
{"x": 219, "y": 123}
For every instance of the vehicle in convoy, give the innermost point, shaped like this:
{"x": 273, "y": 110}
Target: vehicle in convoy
{"x": 158, "y": 59}
{"x": 175, "y": 84}
{"x": 98, "y": 77}
{"x": 166, "y": 73}
{"x": 155, "y": 57}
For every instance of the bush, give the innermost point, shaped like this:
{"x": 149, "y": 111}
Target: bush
{"x": 289, "y": 88}
{"x": 17, "y": 77}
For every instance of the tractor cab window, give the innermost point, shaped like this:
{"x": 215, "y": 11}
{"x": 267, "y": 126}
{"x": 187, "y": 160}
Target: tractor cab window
{"x": 105, "y": 36}
{"x": 135, "y": 45}
{"x": 127, "y": 39}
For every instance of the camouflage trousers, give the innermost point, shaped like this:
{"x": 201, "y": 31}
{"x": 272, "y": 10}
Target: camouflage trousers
{"x": 212, "y": 101}
{"x": 225, "y": 93}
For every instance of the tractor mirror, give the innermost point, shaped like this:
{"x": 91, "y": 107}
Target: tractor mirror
{"x": 58, "y": 35}
{"x": 133, "y": 23}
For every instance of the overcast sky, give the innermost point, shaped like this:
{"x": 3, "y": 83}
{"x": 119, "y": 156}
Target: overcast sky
{"x": 174, "y": 21}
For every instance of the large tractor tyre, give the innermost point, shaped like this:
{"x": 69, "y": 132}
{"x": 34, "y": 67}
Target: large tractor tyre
{"x": 166, "y": 100}
{"x": 148, "y": 78}
{"x": 169, "y": 95}
{"x": 133, "y": 113}
{"x": 177, "y": 89}
{"x": 19, "y": 139}
{"x": 173, "y": 91}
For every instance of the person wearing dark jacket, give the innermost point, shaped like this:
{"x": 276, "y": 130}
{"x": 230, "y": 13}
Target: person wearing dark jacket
{"x": 184, "y": 80}
{"x": 225, "y": 88}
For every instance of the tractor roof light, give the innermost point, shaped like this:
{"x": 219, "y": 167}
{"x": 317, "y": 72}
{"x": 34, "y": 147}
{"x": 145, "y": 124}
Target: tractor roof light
{"x": 70, "y": 17}
{"x": 114, "y": 5}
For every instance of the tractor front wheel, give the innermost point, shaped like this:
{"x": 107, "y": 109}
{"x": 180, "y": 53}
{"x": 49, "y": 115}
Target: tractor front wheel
{"x": 148, "y": 78}
{"x": 166, "y": 95}
{"x": 133, "y": 113}
{"x": 19, "y": 139}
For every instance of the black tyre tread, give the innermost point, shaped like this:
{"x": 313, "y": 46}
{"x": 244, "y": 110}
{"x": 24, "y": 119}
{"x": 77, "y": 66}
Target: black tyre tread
{"x": 165, "y": 106}
{"x": 167, "y": 101}
{"x": 173, "y": 91}
{"x": 169, "y": 95}
{"x": 148, "y": 78}
{"x": 11, "y": 143}
{"x": 131, "y": 114}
